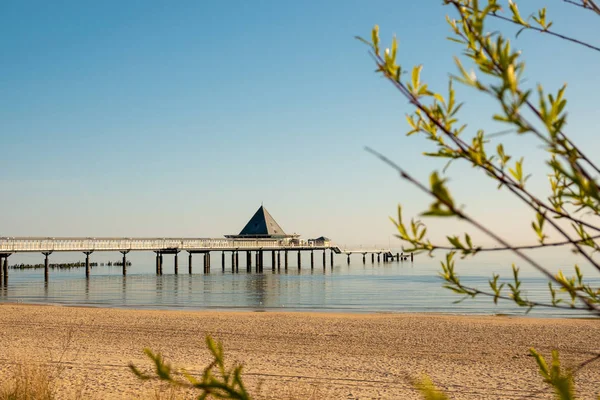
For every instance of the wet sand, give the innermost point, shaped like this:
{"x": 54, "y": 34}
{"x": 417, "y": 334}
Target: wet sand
{"x": 300, "y": 355}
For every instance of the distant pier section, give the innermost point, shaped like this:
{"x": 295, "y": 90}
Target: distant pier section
{"x": 261, "y": 234}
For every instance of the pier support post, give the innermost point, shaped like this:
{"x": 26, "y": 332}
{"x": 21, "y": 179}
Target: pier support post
{"x": 398, "y": 256}
{"x": 312, "y": 259}
{"x": 262, "y": 261}
{"x": 124, "y": 261}
{"x": 285, "y": 253}
{"x": 237, "y": 261}
{"x": 175, "y": 264}
{"x": 223, "y": 260}
{"x": 331, "y": 258}
{"x": 411, "y": 256}
{"x": 249, "y": 261}
{"x": 348, "y": 258}
{"x": 372, "y": 258}
{"x": 204, "y": 263}
{"x": 157, "y": 263}
{"x": 324, "y": 258}
{"x": 273, "y": 260}
{"x": 278, "y": 260}
{"x": 364, "y": 258}
{"x": 208, "y": 260}
{"x": 5, "y": 268}
{"x": 299, "y": 259}
{"x": 378, "y": 257}
{"x": 190, "y": 263}
{"x": 87, "y": 263}
{"x": 1, "y": 263}
{"x": 46, "y": 266}
{"x": 160, "y": 263}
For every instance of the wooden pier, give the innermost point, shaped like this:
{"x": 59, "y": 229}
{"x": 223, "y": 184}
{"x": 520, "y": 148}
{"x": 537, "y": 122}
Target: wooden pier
{"x": 261, "y": 234}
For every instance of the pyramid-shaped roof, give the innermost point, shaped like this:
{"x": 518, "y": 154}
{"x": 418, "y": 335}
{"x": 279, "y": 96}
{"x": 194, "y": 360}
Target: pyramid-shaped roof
{"x": 262, "y": 224}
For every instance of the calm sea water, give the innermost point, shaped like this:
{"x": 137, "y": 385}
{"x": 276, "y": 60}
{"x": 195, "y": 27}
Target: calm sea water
{"x": 357, "y": 287}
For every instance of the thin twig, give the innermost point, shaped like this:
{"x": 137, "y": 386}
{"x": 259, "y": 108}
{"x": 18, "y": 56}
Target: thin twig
{"x": 525, "y": 247}
{"x": 528, "y": 26}
{"x": 588, "y": 5}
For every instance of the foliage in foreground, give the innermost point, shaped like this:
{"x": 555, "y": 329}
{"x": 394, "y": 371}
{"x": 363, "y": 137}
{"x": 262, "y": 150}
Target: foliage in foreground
{"x": 216, "y": 381}
{"x": 28, "y": 382}
{"x": 228, "y": 384}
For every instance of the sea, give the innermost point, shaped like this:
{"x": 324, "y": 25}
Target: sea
{"x": 354, "y": 287}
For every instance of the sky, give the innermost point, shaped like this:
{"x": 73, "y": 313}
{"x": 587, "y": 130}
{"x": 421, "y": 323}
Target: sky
{"x": 179, "y": 119}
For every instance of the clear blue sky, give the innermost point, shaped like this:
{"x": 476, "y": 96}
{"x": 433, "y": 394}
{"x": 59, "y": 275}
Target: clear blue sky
{"x": 144, "y": 118}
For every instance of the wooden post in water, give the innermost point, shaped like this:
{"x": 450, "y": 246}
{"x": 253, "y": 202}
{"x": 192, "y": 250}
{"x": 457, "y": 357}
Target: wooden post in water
{"x": 378, "y": 257}
{"x": 348, "y": 258}
{"x": 249, "y": 261}
{"x": 1, "y": 263}
{"x": 364, "y": 258}
{"x": 257, "y": 262}
{"x": 278, "y": 260}
{"x": 87, "y": 263}
{"x": 175, "y": 264}
{"x": 46, "y": 265}
{"x": 237, "y": 261}
{"x": 262, "y": 260}
{"x": 160, "y": 263}
{"x": 204, "y": 263}
{"x": 331, "y": 258}
{"x": 411, "y": 256}
{"x": 324, "y": 258}
{"x": 223, "y": 260}
{"x": 273, "y": 260}
{"x": 124, "y": 262}
{"x": 157, "y": 263}
{"x": 190, "y": 263}
{"x": 372, "y": 258}
{"x": 299, "y": 259}
{"x": 233, "y": 261}
{"x": 312, "y": 259}
{"x": 6, "y": 268}
{"x": 285, "y": 253}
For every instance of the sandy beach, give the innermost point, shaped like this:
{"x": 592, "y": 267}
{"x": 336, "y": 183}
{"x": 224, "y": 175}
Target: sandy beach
{"x": 299, "y": 355}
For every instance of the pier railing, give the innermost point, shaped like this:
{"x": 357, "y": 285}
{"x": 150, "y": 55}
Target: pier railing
{"x": 30, "y": 244}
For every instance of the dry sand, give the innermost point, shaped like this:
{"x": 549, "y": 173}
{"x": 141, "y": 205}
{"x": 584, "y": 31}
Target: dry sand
{"x": 301, "y": 355}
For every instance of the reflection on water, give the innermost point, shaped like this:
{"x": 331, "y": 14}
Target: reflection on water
{"x": 357, "y": 287}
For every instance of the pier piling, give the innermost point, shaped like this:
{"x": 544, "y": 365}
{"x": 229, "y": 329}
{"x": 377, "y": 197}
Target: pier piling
{"x": 348, "y": 258}
{"x": 5, "y": 269}
{"x": 124, "y": 261}
{"x": 364, "y": 258}
{"x": 1, "y": 263}
{"x": 372, "y": 258}
{"x": 273, "y": 260}
{"x": 278, "y": 260}
{"x": 249, "y": 261}
{"x": 299, "y": 259}
{"x": 175, "y": 264}
{"x": 87, "y": 263}
{"x": 331, "y": 258}
{"x": 324, "y": 258}
{"x": 237, "y": 261}
{"x": 160, "y": 263}
{"x": 285, "y": 253}
{"x": 46, "y": 265}
{"x": 190, "y": 263}
{"x": 223, "y": 260}
{"x": 312, "y": 259}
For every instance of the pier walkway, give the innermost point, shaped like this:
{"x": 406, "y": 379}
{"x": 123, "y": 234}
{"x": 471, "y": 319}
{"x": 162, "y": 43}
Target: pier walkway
{"x": 173, "y": 246}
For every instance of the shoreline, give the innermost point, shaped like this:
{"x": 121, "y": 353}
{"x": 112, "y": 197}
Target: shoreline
{"x": 294, "y": 354}
{"x": 308, "y": 311}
